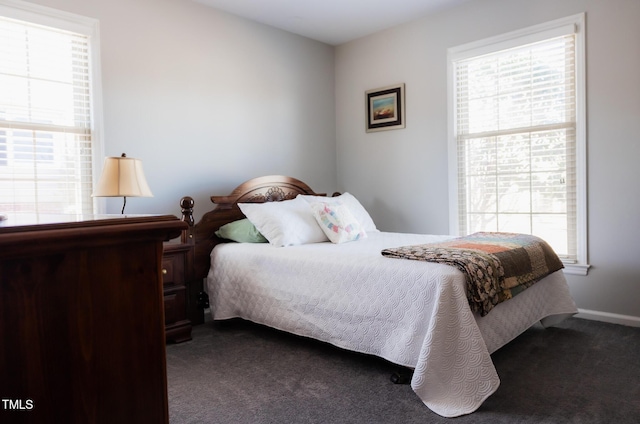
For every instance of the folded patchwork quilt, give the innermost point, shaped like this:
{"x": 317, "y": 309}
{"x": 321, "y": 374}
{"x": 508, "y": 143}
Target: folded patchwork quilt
{"x": 497, "y": 266}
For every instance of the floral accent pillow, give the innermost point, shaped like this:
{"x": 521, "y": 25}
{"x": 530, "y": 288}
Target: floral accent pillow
{"x": 355, "y": 207}
{"x": 337, "y": 222}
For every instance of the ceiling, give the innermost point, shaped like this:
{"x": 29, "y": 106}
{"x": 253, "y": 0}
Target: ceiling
{"x": 332, "y": 21}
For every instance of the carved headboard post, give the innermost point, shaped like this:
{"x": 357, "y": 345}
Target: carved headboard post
{"x": 196, "y": 299}
{"x": 186, "y": 203}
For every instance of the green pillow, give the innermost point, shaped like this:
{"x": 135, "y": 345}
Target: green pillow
{"x": 242, "y": 231}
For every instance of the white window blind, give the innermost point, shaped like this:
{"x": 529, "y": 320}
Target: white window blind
{"x": 45, "y": 119}
{"x": 515, "y": 134}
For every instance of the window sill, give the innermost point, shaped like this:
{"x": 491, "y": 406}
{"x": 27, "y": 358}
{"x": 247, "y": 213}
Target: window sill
{"x": 576, "y": 269}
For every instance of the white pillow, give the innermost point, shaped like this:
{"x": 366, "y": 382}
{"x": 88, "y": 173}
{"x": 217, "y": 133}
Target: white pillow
{"x": 285, "y": 223}
{"x": 337, "y": 222}
{"x": 357, "y": 210}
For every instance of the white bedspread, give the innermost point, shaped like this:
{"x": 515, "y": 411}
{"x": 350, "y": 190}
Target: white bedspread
{"x": 411, "y": 313}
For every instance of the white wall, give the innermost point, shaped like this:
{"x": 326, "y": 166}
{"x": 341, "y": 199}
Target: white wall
{"x": 401, "y": 175}
{"x": 208, "y": 100}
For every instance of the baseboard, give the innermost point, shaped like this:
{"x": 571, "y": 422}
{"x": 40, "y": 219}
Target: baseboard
{"x": 609, "y": 317}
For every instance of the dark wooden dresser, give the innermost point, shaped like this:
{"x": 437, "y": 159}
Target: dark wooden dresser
{"x": 81, "y": 319}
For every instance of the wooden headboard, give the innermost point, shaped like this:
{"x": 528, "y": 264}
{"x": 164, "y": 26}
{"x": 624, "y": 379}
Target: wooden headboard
{"x": 271, "y": 188}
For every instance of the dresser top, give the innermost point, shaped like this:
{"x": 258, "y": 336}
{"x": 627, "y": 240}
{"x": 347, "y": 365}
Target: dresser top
{"x": 30, "y": 232}
{"x": 31, "y": 221}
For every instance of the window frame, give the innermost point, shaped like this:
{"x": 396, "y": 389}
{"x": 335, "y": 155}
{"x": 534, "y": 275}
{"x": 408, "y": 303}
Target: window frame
{"x": 46, "y": 16}
{"x": 574, "y": 24}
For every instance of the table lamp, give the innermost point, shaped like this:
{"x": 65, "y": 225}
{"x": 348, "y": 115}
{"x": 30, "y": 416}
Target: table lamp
{"x": 122, "y": 177}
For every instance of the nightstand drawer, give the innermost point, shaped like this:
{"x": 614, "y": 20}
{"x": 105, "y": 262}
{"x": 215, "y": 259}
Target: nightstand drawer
{"x": 174, "y": 306}
{"x": 173, "y": 268}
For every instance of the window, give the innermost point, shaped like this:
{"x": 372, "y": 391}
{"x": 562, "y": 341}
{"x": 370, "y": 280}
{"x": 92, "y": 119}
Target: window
{"x": 49, "y": 88}
{"x": 518, "y": 137}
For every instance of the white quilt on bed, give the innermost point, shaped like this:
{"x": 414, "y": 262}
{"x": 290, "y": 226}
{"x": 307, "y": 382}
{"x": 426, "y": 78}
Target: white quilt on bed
{"x": 411, "y": 313}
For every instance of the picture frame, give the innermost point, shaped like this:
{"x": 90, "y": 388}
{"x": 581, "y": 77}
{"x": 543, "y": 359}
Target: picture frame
{"x": 385, "y": 108}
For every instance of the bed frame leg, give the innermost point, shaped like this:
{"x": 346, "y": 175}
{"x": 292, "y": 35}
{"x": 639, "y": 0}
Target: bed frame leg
{"x": 203, "y": 300}
{"x": 402, "y": 377}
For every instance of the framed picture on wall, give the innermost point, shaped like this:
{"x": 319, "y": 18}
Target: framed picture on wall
{"x": 385, "y": 108}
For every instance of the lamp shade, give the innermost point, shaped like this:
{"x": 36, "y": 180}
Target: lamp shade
{"x": 122, "y": 177}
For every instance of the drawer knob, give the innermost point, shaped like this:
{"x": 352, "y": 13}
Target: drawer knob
{"x": 164, "y": 271}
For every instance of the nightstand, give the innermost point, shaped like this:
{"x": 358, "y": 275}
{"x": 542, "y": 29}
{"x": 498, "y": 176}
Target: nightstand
{"x": 175, "y": 282}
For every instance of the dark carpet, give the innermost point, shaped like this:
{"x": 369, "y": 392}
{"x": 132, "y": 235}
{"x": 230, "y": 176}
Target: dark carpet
{"x": 237, "y": 372}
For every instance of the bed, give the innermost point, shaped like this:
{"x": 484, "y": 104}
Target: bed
{"x": 412, "y": 313}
